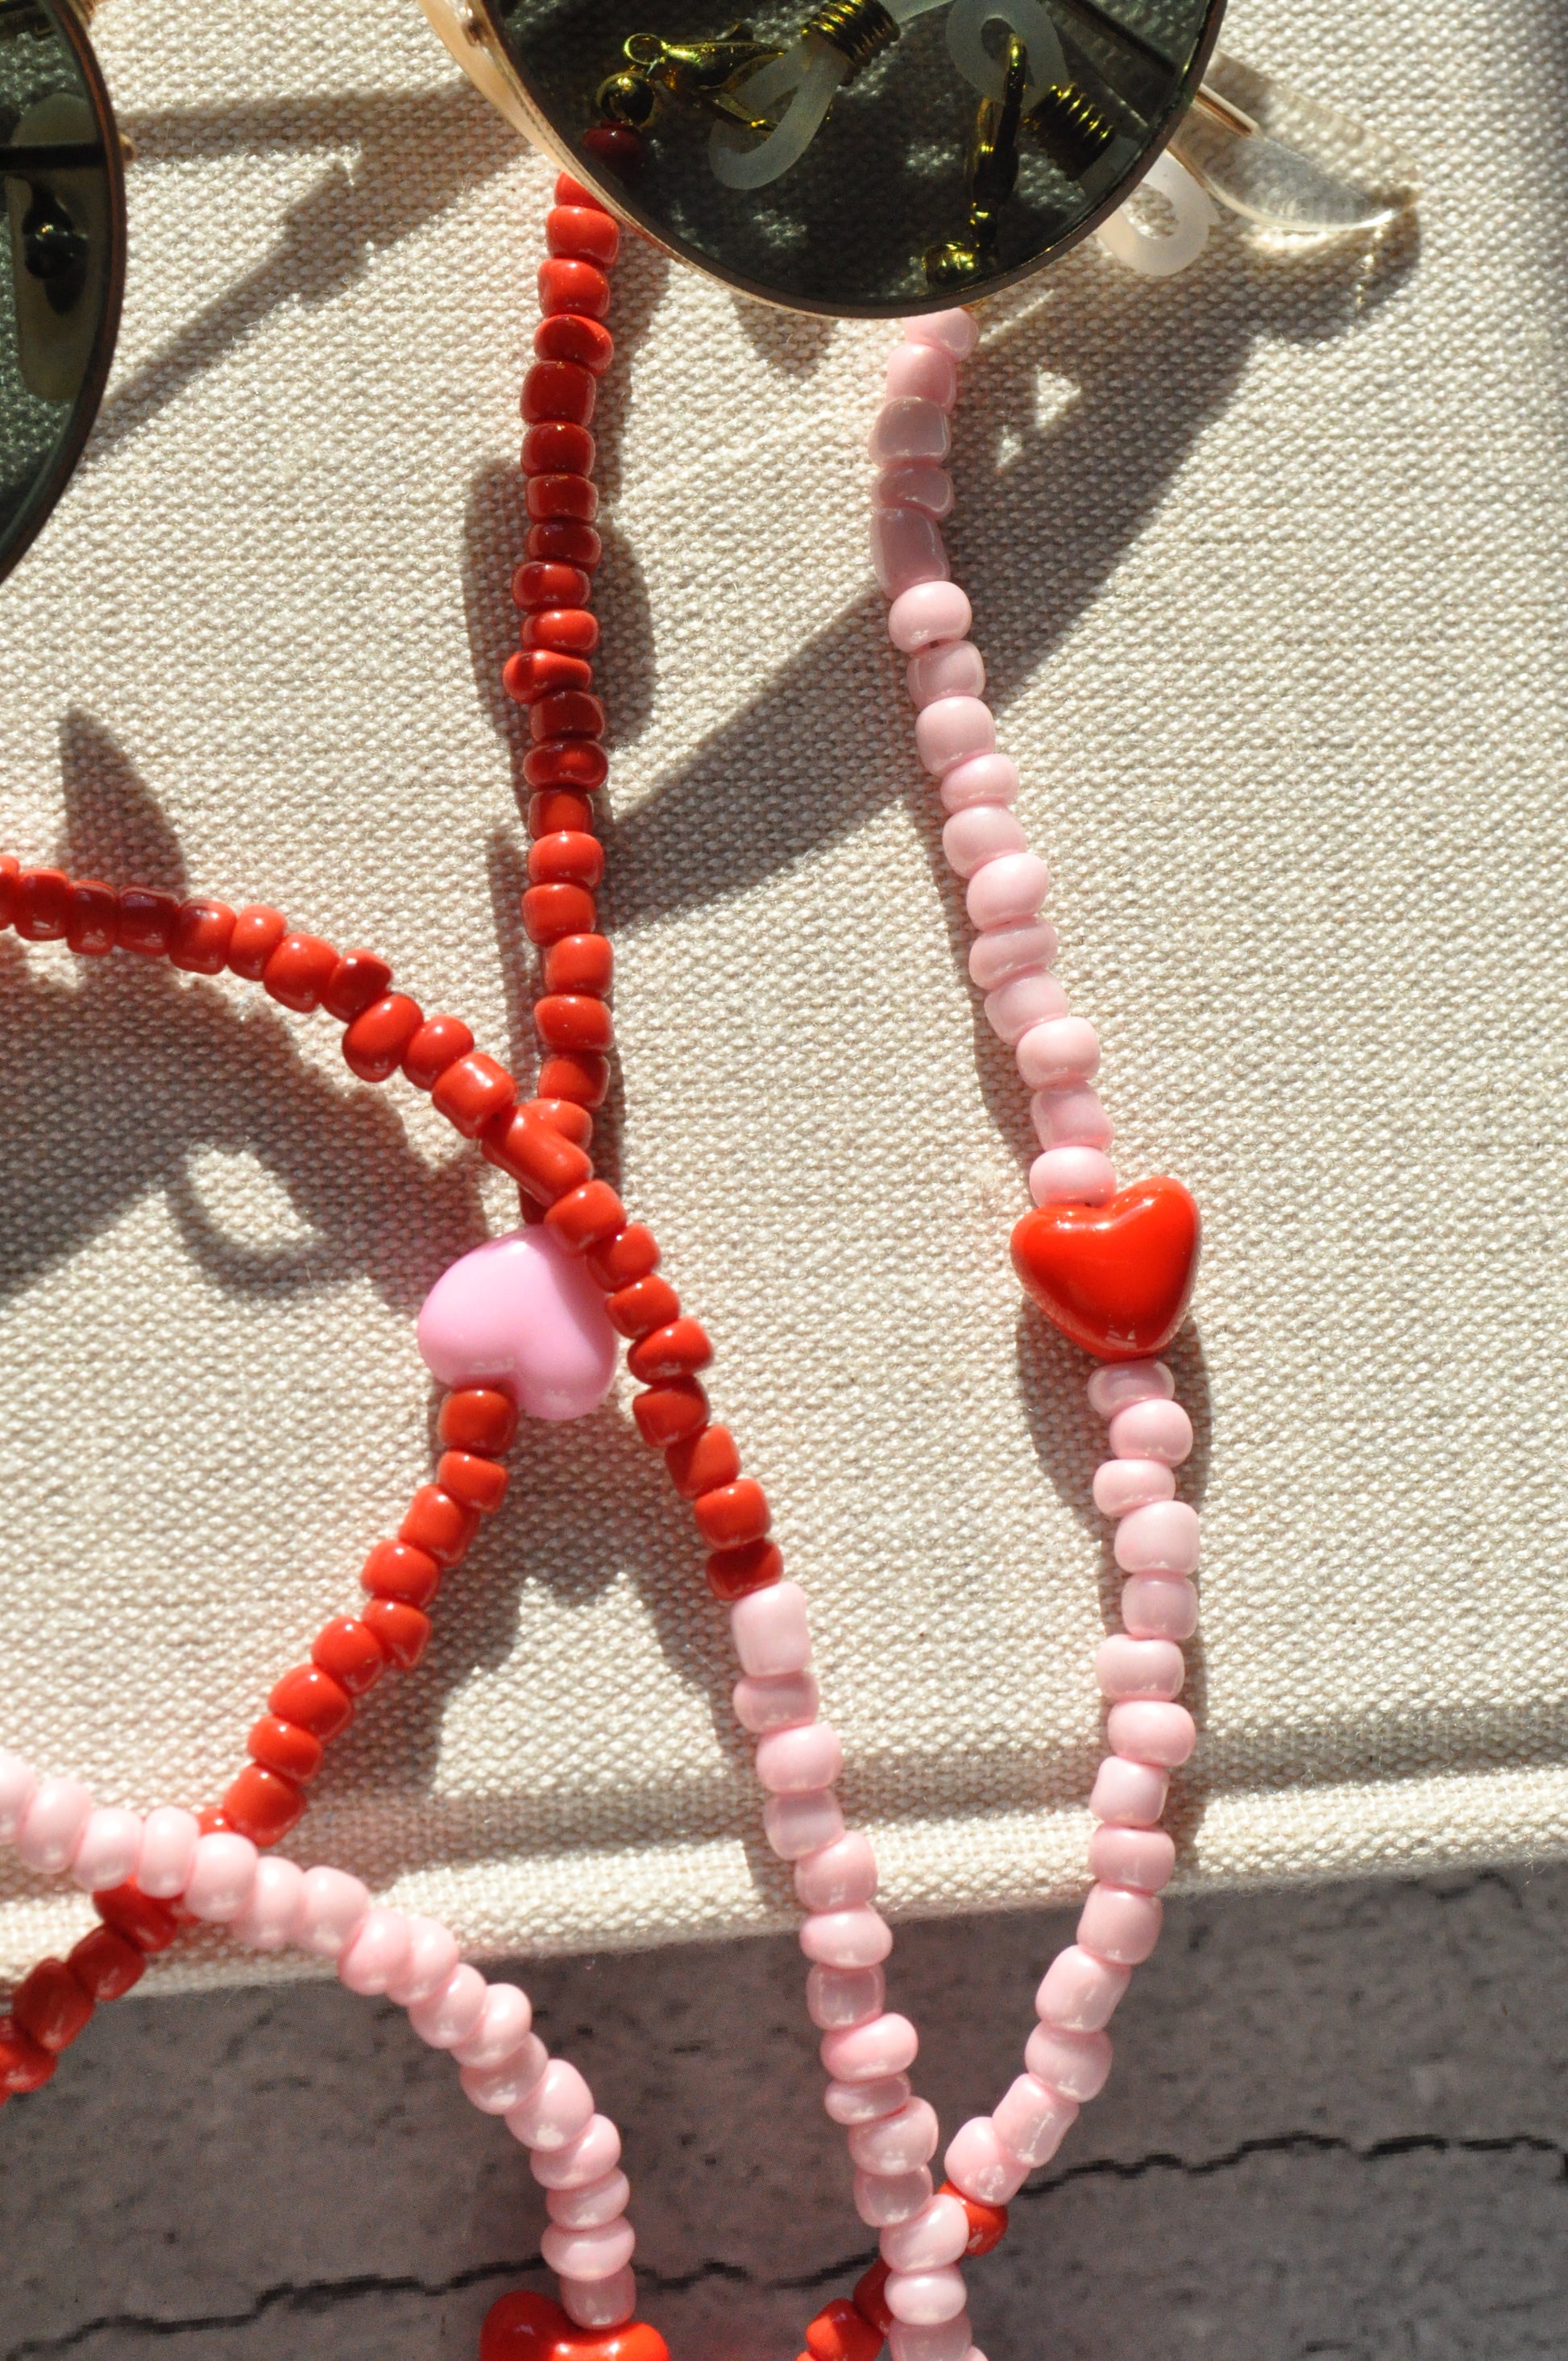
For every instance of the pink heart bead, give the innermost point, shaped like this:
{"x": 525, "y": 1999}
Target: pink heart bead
{"x": 522, "y": 1312}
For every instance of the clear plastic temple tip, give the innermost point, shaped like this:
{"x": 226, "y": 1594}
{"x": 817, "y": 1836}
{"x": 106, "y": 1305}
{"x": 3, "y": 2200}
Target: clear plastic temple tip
{"x": 1288, "y": 163}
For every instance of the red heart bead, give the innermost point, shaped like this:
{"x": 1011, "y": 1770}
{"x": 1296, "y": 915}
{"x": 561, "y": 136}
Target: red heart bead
{"x": 1117, "y": 1279}
{"x": 532, "y": 2328}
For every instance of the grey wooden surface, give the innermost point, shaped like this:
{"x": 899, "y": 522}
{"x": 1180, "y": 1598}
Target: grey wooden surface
{"x": 1338, "y": 2126}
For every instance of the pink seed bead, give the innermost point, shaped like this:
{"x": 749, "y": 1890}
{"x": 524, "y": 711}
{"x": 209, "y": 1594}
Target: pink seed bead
{"x": 799, "y": 1761}
{"x": 600, "y": 2304}
{"x": 1151, "y": 1430}
{"x": 1145, "y": 1731}
{"x": 866, "y": 2103}
{"x": 861, "y": 1937}
{"x": 433, "y": 1955}
{"x": 952, "y": 2341}
{"x": 1160, "y": 1539}
{"x": 925, "y": 370}
{"x": 909, "y": 428}
{"x": 1033, "y": 2120}
{"x": 1072, "y": 1176}
{"x": 917, "y": 484}
{"x": 335, "y": 1908}
{"x": 378, "y": 1953}
{"x": 796, "y": 1825}
{"x": 926, "y": 612}
{"x": 1010, "y": 950}
{"x": 1132, "y": 1791}
{"x": 884, "y": 2197}
{"x": 1022, "y": 1002}
{"x": 1139, "y": 1668}
{"x": 1063, "y": 1051}
{"x": 595, "y": 2254}
{"x": 1118, "y": 1925}
{"x": 168, "y": 1851}
{"x": 897, "y": 2142}
{"x": 980, "y": 833}
{"x": 223, "y": 1878}
{"x": 1111, "y": 1389}
{"x": 595, "y": 2152}
{"x": 871, "y": 2052}
{"x": 924, "y": 2298}
{"x": 978, "y": 2165}
{"x": 1159, "y": 1607}
{"x": 450, "y": 2015}
{"x": 953, "y": 730}
{"x": 54, "y": 1824}
{"x": 109, "y": 1851}
{"x": 955, "y": 331}
{"x": 777, "y": 1702}
{"x": 1123, "y": 1484}
{"x": 270, "y": 1919}
{"x": 1075, "y": 2064}
{"x": 839, "y": 1997}
{"x": 1079, "y": 1993}
{"x": 496, "y": 2090}
{"x": 506, "y": 2018}
{"x": 908, "y": 550}
{"x": 1006, "y": 892}
{"x": 17, "y": 1781}
{"x": 839, "y": 1876}
{"x": 1071, "y": 1118}
{"x": 957, "y": 668}
{"x": 770, "y": 1630}
{"x": 1144, "y": 1859}
{"x": 559, "y": 2106}
{"x": 598, "y": 2200}
{"x": 928, "y": 2240}
{"x": 984, "y": 779}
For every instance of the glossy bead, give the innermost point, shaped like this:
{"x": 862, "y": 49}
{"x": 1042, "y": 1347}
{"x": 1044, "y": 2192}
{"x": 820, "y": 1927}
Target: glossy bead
{"x": 394, "y": 1570}
{"x": 668, "y": 1413}
{"x": 402, "y": 1631}
{"x": 1078, "y": 1993}
{"x": 1032, "y": 2121}
{"x": 1010, "y": 950}
{"x": 908, "y": 427}
{"x": 882, "y": 2198}
{"x": 777, "y": 1703}
{"x": 478, "y": 1418}
{"x": 1110, "y": 1390}
{"x": 270, "y": 1919}
{"x": 770, "y": 1629}
{"x": 1119, "y": 1924}
{"x": 505, "y": 2020}
{"x": 678, "y": 1350}
{"x": 1075, "y": 2064}
{"x": 535, "y": 1154}
{"x": 1008, "y": 891}
{"x": 884, "y": 2045}
{"x": 866, "y": 2103}
{"x": 1151, "y": 1429}
{"x": 839, "y": 1997}
{"x": 1117, "y": 1280}
{"x": 378, "y": 1952}
{"x": 1071, "y": 1118}
{"x": 555, "y": 2111}
{"x": 730, "y": 1574}
{"x": 566, "y": 285}
{"x": 732, "y": 1513}
{"x": 868, "y": 2298}
{"x": 1160, "y": 1539}
{"x": 200, "y": 937}
{"x": 553, "y": 809}
{"x": 585, "y": 1218}
{"x": 1123, "y": 1484}
{"x": 377, "y": 1041}
{"x": 109, "y": 1852}
{"x": 1072, "y": 1176}
{"x": 598, "y": 2254}
{"x": 917, "y": 484}
{"x": 955, "y": 669}
{"x": 257, "y": 931}
{"x": 621, "y": 1261}
{"x": 839, "y": 2332}
{"x": 543, "y": 584}
{"x": 298, "y": 972}
{"x": 23, "y": 2066}
{"x": 638, "y": 1310}
{"x": 1159, "y": 1606}
{"x": 17, "y": 1783}
{"x": 106, "y": 1965}
{"x": 450, "y": 2014}
{"x": 580, "y": 1077}
{"x": 983, "y": 779}
{"x": 43, "y": 905}
{"x": 440, "y": 1042}
{"x": 522, "y": 1310}
{"x": 572, "y": 336}
{"x": 908, "y": 550}
{"x": 563, "y": 541}
{"x": 1126, "y": 1667}
{"x": 10, "y": 870}
{"x": 496, "y": 2090}
{"x": 283, "y": 1747}
{"x": 1132, "y": 1791}
{"x": 595, "y": 2152}
{"x": 559, "y": 389}
{"x": 980, "y": 2166}
{"x": 358, "y": 982}
{"x": 49, "y": 2007}
{"x": 432, "y": 1957}
{"x": 574, "y": 1021}
{"x": 1144, "y": 1859}
{"x": 439, "y": 1525}
{"x": 567, "y": 761}
{"x": 1146, "y": 1731}
{"x": 92, "y": 927}
{"x": 333, "y": 1909}
{"x": 147, "y": 921}
{"x": 604, "y": 2200}
{"x": 562, "y": 496}
{"x": 151, "y": 1926}
{"x": 956, "y": 332}
{"x": 981, "y": 833}
{"x": 556, "y": 448}
{"x": 313, "y": 1701}
{"x": 472, "y": 1091}
{"x": 797, "y": 1762}
{"x": 1062, "y": 1052}
{"x": 796, "y": 1825}
{"x": 925, "y": 371}
{"x": 221, "y": 1878}
{"x": 347, "y": 1651}
{"x": 923, "y": 2298}
{"x": 580, "y": 963}
{"x": 1023, "y": 1002}
{"x": 927, "y": 612}
{"x": 897, "y": 2142}
{"x": 841, "y": 1874}
{"x": 534, "y": 673}
{"x": 564, "y": 631}
{"x": 609, "y": 2303}
{"x": 53, "y": 1824}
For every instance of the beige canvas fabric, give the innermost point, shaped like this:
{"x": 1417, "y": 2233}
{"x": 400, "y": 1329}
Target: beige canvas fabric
{"x": 1270, "y": 565}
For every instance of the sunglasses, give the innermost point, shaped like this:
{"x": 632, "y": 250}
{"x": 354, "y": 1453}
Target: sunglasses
{"x": 880, "y": 158}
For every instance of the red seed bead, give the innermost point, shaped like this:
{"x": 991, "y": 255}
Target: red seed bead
{"x": 562, "y": 391}
{"x": 147, "y": 921}
{"x": 570, "y": 192}
{"x": 586, "y": 1217}
{"x": 402, "y": 1630}
{"x": 312, "y": 1701}
{"x": 356, "y": 983}
{"x": 376, "y": 1041}
{"x": 568, "y": 286}
{"x": 583, "y": 232}
{"x": 574, "y": 1020}
{"x": 666, "y": 1414}
{"x": 573, "y": 1122}
{"x": 543, "y": 584}
{"x": 551, "y": 912}
{"x": 646, "y": 1304}
{"x": 478, "y": 1418}
{"x": 563, "y": 541}
{"x": 439, "y": 1525}
{"x": 575, "y": 496}
{"x": 345, "y": 1650}
{"x": 533, "y": 1152}
{"x": 93, "y": 927}
{"x": 568, "y": 713}
{"x": 566, "y": 762}
{"x": 10, "y": 870}
{"x": 282, "y": 1746}
{"x": 630, "y": 1257}
{"x": 571, "y": 857}
{"x": 106, "y": 1965}
{"x": 23, "y": 2065}
{"x": 839, "y": 2332}
{"x": 734, "y": 1573}
{"x": 50, "y": 2007}
{"x": 572, "y": 336}
{"x": 733, "y": 1514}
{"x": 534, "y": 672}
{"x": 261, "y": 1803}
{"x": 257, "y": 931}
{"x": 577, "y": 1076}
{"x": 703, "y": 1462}
{"x": 580, "y": 963}
{"x": 553, "y": 809}
{"x": 472, "y": 1091}
{"x": 616, "y": 145}
{"x": 150, "y": 1926}
{"x": 473, "y": 1482}
{"x": 677, "y": 1351}
{"x": 298, "y": 972}
{"x": 556, "y": 448}
{"x": 987, "y": 2224}
{"x": 200, "y": 937}
{"x": 394, "y": 1570}
{"x": 43, "y": 904}
{"x": 568, "y": 631}
{"x": 439, "y": 1043}
{"x": 870, "y": 2298}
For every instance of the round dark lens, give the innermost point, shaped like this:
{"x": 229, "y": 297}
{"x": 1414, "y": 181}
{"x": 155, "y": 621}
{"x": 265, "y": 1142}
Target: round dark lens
{"x": 61, "y": 258}
{"x": 866, "y": 156}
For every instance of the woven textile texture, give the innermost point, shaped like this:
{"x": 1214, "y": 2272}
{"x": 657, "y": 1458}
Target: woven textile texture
{"x": 1268, "y": 566}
